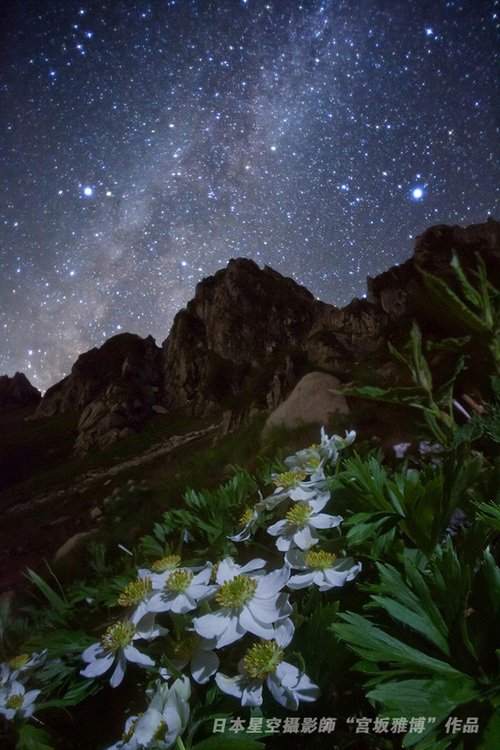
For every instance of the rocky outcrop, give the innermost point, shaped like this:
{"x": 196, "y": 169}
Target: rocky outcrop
{"x": 17, "y": 392}
{"x": 400, "y": 290}
{"x": 243, "y": 325}
{"x": 114, "y": 388}
{"x": 249, "y": 335}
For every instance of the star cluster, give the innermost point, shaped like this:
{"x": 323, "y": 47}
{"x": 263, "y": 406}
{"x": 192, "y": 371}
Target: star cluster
{"x": 144, "y": 144}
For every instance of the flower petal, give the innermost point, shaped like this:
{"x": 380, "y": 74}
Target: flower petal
{"x": 252, "y": 693}
{"x": 230, "y": 685}
{"x": 301, "y": 580}
{"x": 277, "y": 528}
{"x": 249, "y": 621}
{"x": 98, "y": 667}
{"x": 203, "y": 665}
{"x": 119, "y": 673}
{"x": 211, "y": 625}
{"x": 273, "y": 582}
{"x": 305, "y": 538}
{"x": 325, "y": 521}
{"x": 135, "y": 656}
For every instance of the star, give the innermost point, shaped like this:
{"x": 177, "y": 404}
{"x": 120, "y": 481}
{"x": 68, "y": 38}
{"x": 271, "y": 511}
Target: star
{"x": 190, "y": 133}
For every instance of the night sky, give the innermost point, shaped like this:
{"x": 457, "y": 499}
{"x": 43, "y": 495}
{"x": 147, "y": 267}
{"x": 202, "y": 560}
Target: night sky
{"x": 144, "y": 144}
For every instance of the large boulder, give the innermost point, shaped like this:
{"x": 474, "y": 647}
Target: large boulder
{"x": 310, "y": 402}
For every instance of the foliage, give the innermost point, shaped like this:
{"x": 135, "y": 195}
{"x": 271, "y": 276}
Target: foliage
{"x": 333, "y": 583}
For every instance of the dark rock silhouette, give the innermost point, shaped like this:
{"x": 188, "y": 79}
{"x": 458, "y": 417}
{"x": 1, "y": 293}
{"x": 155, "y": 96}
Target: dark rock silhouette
{"x": 113, "y": 388}
{"x": 249, "y": 335}
{"x": 17, "y": 392}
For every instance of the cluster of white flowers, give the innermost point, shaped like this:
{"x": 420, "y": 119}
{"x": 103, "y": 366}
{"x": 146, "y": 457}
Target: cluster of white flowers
{"x": 221, "y": 604}
{"x": 15, "y": 700}
{"x": 205, "y": 609}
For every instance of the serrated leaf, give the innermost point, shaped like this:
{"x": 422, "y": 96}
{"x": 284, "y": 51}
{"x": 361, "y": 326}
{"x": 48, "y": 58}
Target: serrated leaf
{"x": 33, "y": 738}
{"x": 375, "y": 644}
{"x": 431, "y": 697}
{"x": 419, "y": 623}
{"x": 452, "y": 306}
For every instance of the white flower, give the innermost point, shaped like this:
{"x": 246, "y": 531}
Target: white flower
{"x": 247, "y": 524}
{"x": 15, "y": 700}
{"x": 263, "y": 662}
{"x": 400, "y": 449}
{"x": 181, "y": 591}
{"x": 4, "y": 674}
{"x": 161, "y": 569}
{"x": 137, "y": 593}
{"x": 298, "y": 528}
{"x": 198, "y": 653}
{"x": 248, "y": 604}
{"x": 288, "y": 483}
{"x": 163, "y": 721}
{"x": 228, "y": 569}
{"x": 339, "y": 443}
{"x": 116, "y": 649}
{"x": 315, "y": 457}
{"x": 25, "y": 663}
{"x": 321, "y": 568}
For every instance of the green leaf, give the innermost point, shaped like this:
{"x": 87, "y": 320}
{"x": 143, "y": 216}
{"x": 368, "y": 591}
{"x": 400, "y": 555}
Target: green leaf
{"x": 58, "y": 604}
{"x": 376, "y": 645}
{"x": 489, "y": 514}
{"x": 33, "y": 738}
{"x": 429, "y": 697}
{"x": 469, "y": 291}
{"x": 366, "y": 525}
{"x": 417, "y": 622}
{"x": 452, "y": 307}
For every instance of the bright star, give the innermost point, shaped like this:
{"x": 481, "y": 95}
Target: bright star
{"x": 417, "y": 194}
{"x": 88, "y": 191}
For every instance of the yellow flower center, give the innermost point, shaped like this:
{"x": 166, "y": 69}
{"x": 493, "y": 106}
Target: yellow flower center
{"x": 166, "y": 563}
{"x": 236, "y": 593}
{"x": 15, "y": 701}
{"x": 213, "y": 573}
{"x": 118, "y": 635}
{"x": 299, "y": 515}
{"x": 179, "y": 580}
{"x": 289, "y": 479}
{"x": 161, "y": 731}
{"x": 262, "y": 659}
{"x": 185, "y": 647}
{"x": 246, "y": 517}
{"x": 127, "y": 736}
{"x": 135, "y": 592}
{"x": 19, "y": 661}
{"x": 319, "y": 560}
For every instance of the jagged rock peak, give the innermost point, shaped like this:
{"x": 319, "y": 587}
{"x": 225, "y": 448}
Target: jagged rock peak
{"x": 243, "y": 282}
{"x": 17, "y": 392}
{"x": 240, "y": 319}
{"x": 396, "y": 290}
{"x": 125, "y": 360}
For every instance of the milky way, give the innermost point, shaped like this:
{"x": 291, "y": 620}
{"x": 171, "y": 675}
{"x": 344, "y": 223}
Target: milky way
{"x": 144, "y": 144}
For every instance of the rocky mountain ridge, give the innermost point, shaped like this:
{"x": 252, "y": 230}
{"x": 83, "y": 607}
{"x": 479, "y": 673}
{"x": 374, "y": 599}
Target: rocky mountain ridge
{"x": 249, "y": 335}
